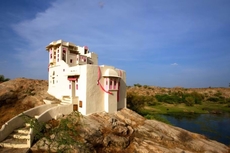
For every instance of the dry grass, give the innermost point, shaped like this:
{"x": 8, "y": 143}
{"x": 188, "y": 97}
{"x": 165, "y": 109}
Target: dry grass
{"x": 152, "y": 91}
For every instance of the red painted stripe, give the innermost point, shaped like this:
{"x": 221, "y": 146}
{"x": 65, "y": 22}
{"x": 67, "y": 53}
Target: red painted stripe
{"x": 98, "y": 81}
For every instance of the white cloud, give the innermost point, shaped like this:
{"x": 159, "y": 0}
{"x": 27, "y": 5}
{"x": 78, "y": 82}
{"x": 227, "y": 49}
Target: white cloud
{"x": 174, "y": 64}
{"x": 105, "y": 30}
{"x": 130, "y": 33}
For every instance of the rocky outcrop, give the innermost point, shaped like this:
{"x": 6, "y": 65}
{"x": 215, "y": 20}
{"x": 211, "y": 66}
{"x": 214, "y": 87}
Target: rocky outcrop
{"x": 21, "y": 94}
{"x": 126, "y": 131}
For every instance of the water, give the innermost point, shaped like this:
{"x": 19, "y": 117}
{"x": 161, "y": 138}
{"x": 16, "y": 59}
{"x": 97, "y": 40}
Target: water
{"x": 216, "y": 127}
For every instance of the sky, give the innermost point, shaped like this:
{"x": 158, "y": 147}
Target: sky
{"x": 166, "y": 43}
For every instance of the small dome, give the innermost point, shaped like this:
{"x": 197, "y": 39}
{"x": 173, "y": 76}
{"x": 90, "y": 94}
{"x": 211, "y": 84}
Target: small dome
{"x": 110, "y": 73}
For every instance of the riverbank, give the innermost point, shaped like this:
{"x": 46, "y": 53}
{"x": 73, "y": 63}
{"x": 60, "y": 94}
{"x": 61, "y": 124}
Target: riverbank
{"x": 182, "y": 111}
{"x": 204, "y": 108}
{"x": 204, "y": 111}
{"x": 151, "y": 101}
{"x": 156, "y": 100}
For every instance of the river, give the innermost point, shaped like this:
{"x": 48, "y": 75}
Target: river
{"x": 216, "y": 127}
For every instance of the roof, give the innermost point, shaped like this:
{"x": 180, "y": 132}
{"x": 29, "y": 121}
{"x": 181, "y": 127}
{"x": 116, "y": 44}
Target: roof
{"x": 54, "y": 43}
{"x": 110, "y": 73}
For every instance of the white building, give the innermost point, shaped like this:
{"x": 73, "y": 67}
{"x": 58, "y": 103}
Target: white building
{"x": 76, "y": 78}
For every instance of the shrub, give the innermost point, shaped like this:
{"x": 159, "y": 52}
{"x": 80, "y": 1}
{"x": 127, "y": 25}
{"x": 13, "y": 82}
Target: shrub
{"x": 197, "y": 97}
{"x": 168, "y": 98}
{"x": 218, "y": 94}
{"x": 137, "y": 102}
{"x": 213, "y": 99}
{"x": 3, "y": 79}
{"x": 227, "y": 100}
{"x": 60, "y": 134}
{"x": 134, "y": 101}
{"x": 189, "y": 101}
{"x": 137, "y": 85}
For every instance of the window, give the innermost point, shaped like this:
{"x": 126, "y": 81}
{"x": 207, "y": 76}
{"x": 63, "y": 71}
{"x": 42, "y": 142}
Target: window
{"x": 110, "y": 84}
{"x": 63, "y": 70}
{"x": 80, "y": 104}
{"x": 115, "y": 85}
{"x": 86, "y": 51}
{"x": 69, "y": 86}
{"x": 76, "y": 84}
{"x": 71, "y": 60}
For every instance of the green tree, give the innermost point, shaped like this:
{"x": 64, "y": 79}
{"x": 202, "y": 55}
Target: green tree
{"x": 189, "y": 101}
{"x": 137, "y": 85}
{"x": 135, "y": 102}
{"x": 3, "y": 79}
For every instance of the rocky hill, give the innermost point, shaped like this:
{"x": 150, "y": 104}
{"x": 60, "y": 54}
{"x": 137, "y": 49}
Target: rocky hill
{"x": 21, "y": 94}
{"x": 153, "y": 90}
{"x": 124, "y": 131}
{"x": 128, "y": 132}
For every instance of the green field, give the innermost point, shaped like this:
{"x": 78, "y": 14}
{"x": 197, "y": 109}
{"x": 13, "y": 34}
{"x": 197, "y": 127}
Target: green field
{"x": 181, "y": 104}
{"x": 181, "y": 110}
{"x": 205, "y": 107}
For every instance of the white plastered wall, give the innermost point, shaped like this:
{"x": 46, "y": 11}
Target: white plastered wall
{"x": 61, "y": 86}
{"x": 95, "y": 95}
{"x": 110, "y": 102}
{"x": 82, "y": 88}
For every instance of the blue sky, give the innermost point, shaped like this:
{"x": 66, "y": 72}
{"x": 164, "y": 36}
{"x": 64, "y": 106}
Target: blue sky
{"x": 163, "y": 43}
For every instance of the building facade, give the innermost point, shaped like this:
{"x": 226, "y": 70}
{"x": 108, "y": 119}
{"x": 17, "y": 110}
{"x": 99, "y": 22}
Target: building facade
{"x": 76, "y": 78}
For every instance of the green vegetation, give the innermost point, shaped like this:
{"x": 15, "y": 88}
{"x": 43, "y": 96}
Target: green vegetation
{"x": 137, "y": 85}
{"x": 59, "y": 135}
{"x": 177, "y": 102}
{"x": 3, "y": 79}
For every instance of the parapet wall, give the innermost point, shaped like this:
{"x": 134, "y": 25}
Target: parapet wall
{"x": 17, "y": 121}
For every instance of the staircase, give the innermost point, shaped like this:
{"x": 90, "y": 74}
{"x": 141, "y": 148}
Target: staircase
{"x": 17, "y": 139}
{"x": 65, "y": 100}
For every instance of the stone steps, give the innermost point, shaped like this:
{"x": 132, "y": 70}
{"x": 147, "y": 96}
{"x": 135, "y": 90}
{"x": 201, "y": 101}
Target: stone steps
{"x": 19, "y": 136}
{"x": 65, "y": 100}
{"x": 23, "y": 130}
{"x": 14, "y": 143}
{"x": 17, "y": 139}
